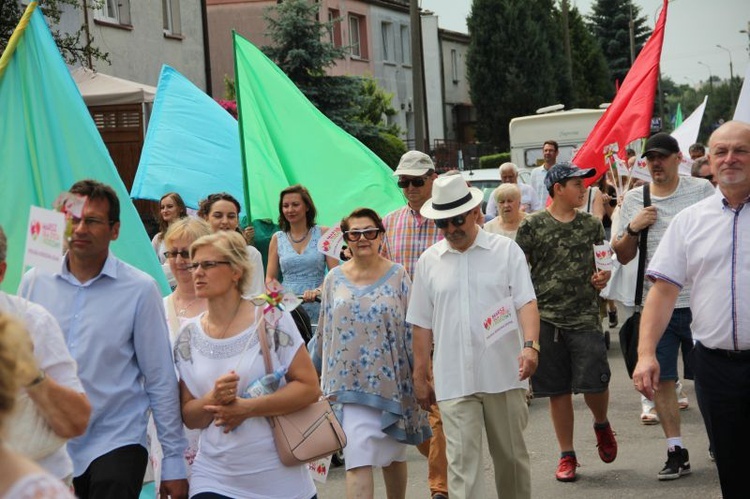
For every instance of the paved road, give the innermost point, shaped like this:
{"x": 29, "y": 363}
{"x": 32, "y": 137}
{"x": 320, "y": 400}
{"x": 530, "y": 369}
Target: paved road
{"x": 642, "y": 452}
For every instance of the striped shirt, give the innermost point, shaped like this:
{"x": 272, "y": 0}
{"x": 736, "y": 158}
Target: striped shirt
{"x": 407, "y": 235}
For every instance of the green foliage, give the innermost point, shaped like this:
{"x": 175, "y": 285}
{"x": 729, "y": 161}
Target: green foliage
{"x": 591, "y": 81}
{"x": 387, "y": 147}
{"x": 73, "y": 46}
{"x": 230, "y": 92}
{"x": 301, "y": 48}
{"x": 719, "y": 108}
{"x": 494, "y": 160}
{"x": 513, "y": 63}
{"x": 610, "y": 23}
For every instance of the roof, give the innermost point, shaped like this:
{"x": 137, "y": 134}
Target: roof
{"x": 99, "y": 89}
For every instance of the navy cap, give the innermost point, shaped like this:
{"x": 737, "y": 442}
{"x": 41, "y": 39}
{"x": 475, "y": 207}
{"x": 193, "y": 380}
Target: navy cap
{"x": 561, "y": 171}
{"x": 663, "y": 143}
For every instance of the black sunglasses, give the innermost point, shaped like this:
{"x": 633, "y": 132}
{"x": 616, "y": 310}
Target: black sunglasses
{"x": 206, "y": 265}
{"x": 403, "y": 183}
{"x": 354, "y": 235}
{"x": 185, "y": 254}
{"x": 457, "y": 221}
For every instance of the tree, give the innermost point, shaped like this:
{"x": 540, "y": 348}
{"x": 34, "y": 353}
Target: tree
{"x": 301, "y": 48}
{"x": 74, "y": 50}
{"x": 610, "y": 23}
{"x": 514, "y": 62}
{"x": 592, "y": 85}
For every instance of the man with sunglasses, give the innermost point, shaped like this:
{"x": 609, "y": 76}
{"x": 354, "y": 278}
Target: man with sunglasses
{"x": 113, "y": 321}
{"x": 473, "y": 300}
{"x": 559, "y": 245}
{"x": 407, "y": 235}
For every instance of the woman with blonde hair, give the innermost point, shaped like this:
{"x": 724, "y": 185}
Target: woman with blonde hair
{"x": 510, "y": 216}
{"x": 218, "y": 357}
{"x": 21, "y": 478}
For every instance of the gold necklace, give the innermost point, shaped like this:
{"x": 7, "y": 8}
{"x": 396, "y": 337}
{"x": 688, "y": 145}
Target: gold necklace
{"x": 182, "y": 311}
{"x": 226, "y": 328}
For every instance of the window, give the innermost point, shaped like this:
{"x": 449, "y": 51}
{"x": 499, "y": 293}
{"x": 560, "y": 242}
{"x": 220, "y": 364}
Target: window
{"x": 171, "y": 13}
{"x": 454, "y": 65}
{"x": 114, "y": 11}
{"x": 386, "y": 29}
{"x": 405, "y": 44}
{"x": 334, "y": 31}
{"x": 355, "y": 45}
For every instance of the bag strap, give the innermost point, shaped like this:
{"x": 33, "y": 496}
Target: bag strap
{"x": 263, "y": 339}
{"x": 642, "y": 250}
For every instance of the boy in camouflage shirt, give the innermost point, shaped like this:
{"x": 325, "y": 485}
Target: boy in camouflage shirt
{"x": 558, "y": 243}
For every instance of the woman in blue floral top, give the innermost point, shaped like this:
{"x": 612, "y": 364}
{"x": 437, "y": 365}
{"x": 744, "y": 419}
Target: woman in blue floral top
{"x": 363, "y": 349}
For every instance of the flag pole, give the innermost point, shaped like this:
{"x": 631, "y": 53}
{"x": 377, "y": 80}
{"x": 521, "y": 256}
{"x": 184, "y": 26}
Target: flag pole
{"x": 245, "y": 176}
{"x": 17, "y": 33}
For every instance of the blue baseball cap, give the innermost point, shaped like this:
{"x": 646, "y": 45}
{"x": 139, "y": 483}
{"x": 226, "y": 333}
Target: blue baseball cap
{"x": 561, "y": 171}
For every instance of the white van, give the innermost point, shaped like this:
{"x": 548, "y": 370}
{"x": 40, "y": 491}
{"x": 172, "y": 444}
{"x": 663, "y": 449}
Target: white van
{"x": 568, "y": 128}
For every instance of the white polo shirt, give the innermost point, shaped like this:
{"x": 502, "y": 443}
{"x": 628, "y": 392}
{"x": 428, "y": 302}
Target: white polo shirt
{"x": 452, "y": 291}
{"x": 707, "y": 247}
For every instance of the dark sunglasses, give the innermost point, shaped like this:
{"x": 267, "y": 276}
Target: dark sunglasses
{"x": 457, "y": 221}
{"x": 354, "y": 235}
{"x": 206, "y": 265}
{"x": 185, "y": 254}
{"x": 403, "y": 183}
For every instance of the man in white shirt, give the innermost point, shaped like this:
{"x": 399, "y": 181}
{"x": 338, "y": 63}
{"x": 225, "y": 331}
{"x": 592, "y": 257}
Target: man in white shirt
{"x": 468, "y": 290}
{"x": 529, "y": 199}
{"x": 550, "y": 150}
{"x": 57, "y": 392}
{"x": 705, "y": 247}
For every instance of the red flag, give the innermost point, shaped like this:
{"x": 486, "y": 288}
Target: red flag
{"x": 629, "y": 116}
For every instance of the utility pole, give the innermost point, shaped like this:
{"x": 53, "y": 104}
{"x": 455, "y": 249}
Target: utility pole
{"x": 417, "y": 77}
{"x": 566, "y": 41}
{"x": 731, "y": 74}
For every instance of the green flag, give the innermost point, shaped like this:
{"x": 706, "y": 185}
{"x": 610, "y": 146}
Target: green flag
{"x": 678, "y": 117}
{"x": 285, "y": 140}
{"x": 48, "y": 142}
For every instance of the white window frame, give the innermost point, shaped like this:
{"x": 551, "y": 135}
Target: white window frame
{"x": 111, "y": 11}
{"x": 355, "y": 36}
{"x": 386, "y": 30}
{"x": 172, "y": 20}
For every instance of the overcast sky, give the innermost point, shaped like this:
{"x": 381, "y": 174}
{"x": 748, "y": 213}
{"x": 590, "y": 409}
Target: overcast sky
{"x": 694, "y": 28}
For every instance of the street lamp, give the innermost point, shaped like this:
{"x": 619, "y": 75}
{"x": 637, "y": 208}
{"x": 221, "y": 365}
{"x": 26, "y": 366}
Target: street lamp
{"x": 731, "y": 74}
{"x": 710, "y": 77}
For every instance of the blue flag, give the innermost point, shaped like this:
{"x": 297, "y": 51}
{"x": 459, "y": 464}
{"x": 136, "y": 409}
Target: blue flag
{"x": 192, "y": 145}
{"x": 49, "y": 142}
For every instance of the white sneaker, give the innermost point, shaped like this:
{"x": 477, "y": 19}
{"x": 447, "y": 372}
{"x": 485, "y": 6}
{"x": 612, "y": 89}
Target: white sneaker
{"x": 682, "y": 399}
{"x": 648, "y": 412}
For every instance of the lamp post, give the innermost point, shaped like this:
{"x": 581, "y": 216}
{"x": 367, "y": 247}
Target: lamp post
{"x": 710, "y": 77}
{"x": 731, "y": 75}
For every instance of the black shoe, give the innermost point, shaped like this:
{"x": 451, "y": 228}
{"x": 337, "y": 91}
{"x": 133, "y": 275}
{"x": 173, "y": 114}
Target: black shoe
{"x": 677, "y": 465}
{"x": 612, "y": 318}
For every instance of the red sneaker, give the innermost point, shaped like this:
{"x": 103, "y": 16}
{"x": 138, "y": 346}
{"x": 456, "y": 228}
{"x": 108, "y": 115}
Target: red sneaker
{"x": 605, "y": 441}
{"x": 566, "y": 469}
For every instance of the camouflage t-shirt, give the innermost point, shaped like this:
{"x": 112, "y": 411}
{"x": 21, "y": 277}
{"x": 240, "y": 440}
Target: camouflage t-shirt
{"x": 561, "y": 256}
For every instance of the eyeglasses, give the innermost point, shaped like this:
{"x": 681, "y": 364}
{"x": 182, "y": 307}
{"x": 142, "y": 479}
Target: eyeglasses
{"x": 206, "y": 265}
{"x": 457, "y": 221}
{"x": 403, "y": 183}
{"x": 185, "y": 254}
{"x": 355, "y": 235}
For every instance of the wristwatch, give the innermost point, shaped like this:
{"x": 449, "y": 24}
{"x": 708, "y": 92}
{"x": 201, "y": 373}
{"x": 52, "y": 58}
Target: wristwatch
{"x": 40, "y": 377}
{"x": 631, "y": 231}
{"x": 532, "y": 344}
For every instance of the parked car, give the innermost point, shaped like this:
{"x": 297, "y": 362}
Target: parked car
{"x": 488, "y": 179}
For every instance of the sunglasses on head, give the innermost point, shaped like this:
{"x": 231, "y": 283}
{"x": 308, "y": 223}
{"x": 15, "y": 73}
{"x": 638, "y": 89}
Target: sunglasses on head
{"x": 354, "y": 235}
{"x": 403, "y": 183}
{"x": 185, "y": 254}
{"x": 457, "y": 221}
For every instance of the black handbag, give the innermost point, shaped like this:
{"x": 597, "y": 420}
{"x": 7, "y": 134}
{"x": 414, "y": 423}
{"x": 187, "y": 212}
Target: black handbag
{"x": 630, "y": 330}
